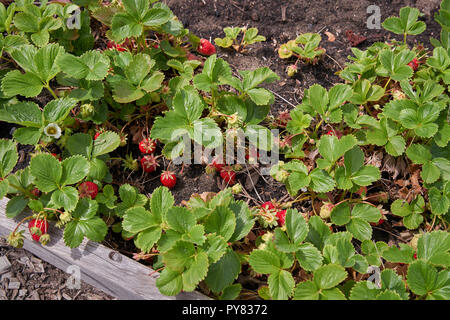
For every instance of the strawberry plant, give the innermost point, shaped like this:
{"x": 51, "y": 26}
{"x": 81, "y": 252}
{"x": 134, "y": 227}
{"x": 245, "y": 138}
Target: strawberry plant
{"x": 249, "y": 36}
{"x": 363, "y": 157}
{"x": 304, "y": 48}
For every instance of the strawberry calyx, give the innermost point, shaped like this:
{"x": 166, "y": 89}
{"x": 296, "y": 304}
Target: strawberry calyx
{"x": 149, "y": 163}
{"x": 147, "y": 146}
{"x": 228, "y": 175}
{"x": 38, "y": 228}
{"x": 88, "y": 189}
{"x": 168, "y": 179}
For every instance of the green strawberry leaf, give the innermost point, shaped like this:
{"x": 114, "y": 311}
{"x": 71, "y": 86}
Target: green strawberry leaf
{"x": 169, "y": 282}
{"x": 221, "y": 221}
{"x": 424, "y": 280}
{"x": 105, "y": 143}
{"x": 222, "y": 273}
{"x": 329, "y": 276}
{"x": 263, "y": 261}
{"x": 434, "y": 247}
{"x": 407, "y": 22}
{"x": 92, "y": 65}
{"x": 8, "y": 156}
{"x": 306, "y": 290}
{"x": 74, "y": 169}
{"x": 15, "y": 206}
{"x": 85, "y": 223}
{"x": 281, "y": 285}
{"x": 309, "y": 257}
{"x": 66, "y": 197}
{"x": 47, "y": 171}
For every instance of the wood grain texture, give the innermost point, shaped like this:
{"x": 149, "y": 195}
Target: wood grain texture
{"x": 101, "y": 267}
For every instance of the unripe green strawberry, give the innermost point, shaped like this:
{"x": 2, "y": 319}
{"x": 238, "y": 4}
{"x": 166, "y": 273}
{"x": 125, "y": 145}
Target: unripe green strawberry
{"x": 15, "y": 239}
{"x": 291, "y": 70}
{"x": 44, "y": 239}
{"x": 65, "y": 217}
{"x": 86, "y": 110}
{"x": 236, "y": 189}
{"x": 281, "y": 175}
{"x": 325, "y": 210}
{"x": 123, "y": 139}
{"x": 130, "y": 163}
{"x": 414, "y": 240}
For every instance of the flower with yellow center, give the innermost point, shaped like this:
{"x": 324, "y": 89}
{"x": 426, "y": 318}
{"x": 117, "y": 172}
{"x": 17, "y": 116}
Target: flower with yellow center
{"x": 53, "y": 130}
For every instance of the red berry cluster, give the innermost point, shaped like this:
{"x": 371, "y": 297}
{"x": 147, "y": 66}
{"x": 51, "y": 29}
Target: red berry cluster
{"x": 113, "y": 45}
{"x": 149, "y": 163}
{"x": 280, "y": 213}
{"x": 227, "y": 173}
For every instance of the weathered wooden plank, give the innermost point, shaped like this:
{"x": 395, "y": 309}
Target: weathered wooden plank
{"x": 100, "y": 266}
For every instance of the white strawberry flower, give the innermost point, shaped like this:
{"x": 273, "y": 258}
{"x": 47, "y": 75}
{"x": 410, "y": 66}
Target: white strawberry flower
{"x": 53, "y": 130}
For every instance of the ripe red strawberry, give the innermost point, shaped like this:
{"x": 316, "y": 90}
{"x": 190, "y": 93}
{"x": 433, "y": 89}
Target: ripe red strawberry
{"x": 415, "y": 256}
{"x": 41, "y": 225}
{"x": 414, "y": 64}
{"x": 35, "y": 192}
{"x": 168, "y": 179}
{"x": 216, "y": 163}
{"x": 381, "y": 221}
{"x": 206, "y": 48}
{"x": 96, "y": 135}
{"x": 362, "y": 190}
{"x": 113, "y": 45}
{"x": 281, "y": 215}
{"x": 147, "y": 146}
{"x": 334, "y": 132}
{"x": 149, "y": 163}
{"x": 268, "y": 205}
{"x": 228, "y": 175}
{"x": 88, "y": 189}
{"x": 57, "y": 156}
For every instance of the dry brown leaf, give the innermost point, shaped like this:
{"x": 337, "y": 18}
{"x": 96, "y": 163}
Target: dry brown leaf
{"x": 403, "y": 193}
{"x": 417, "y": 188}
{"x": 330, "y": 36}
{"x": 375, "y": 159}
{"x": 395, "y": 167}
{"x": 251, "y": 180}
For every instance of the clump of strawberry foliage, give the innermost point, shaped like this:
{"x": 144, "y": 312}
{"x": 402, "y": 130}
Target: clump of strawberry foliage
{"x": 82, "y": 102}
